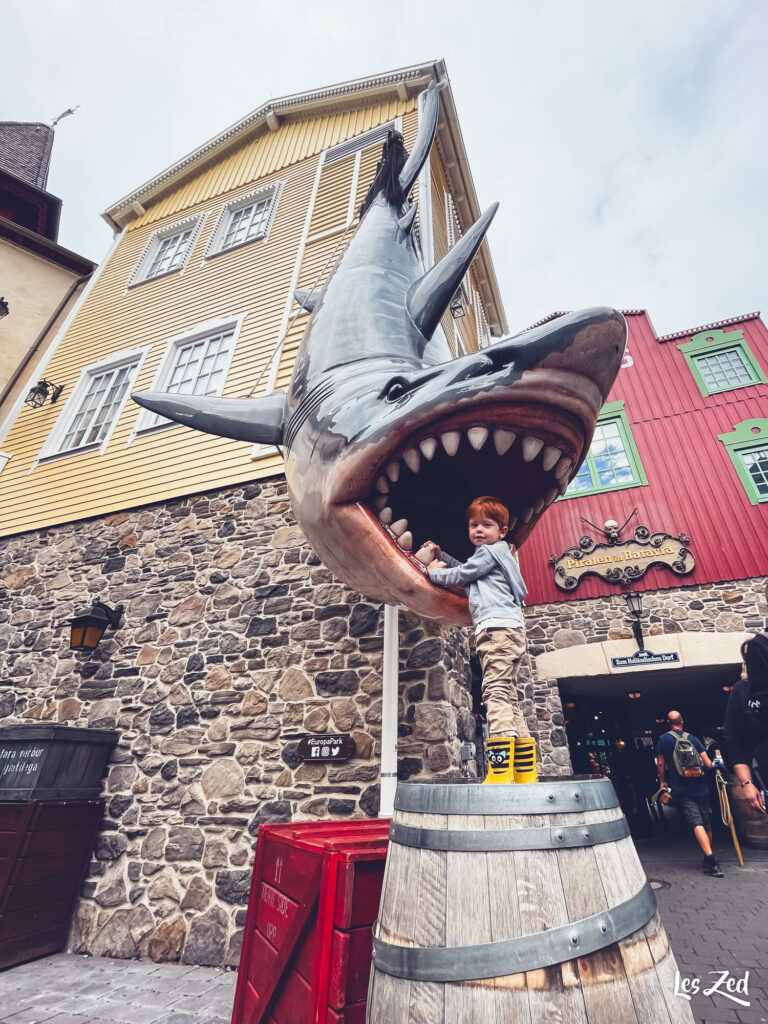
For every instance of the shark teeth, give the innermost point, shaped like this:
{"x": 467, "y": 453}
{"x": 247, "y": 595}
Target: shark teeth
{"x": 424, "y": 555}
{"x": 477, "y": 437}
{"x": 563, "y": 467}
{"x": 412, "y": 460}
{"x": 405, "y": 540}
{"x": 428, "y": 447}
{"x": 503, "y": 440}
{"x": 549, "y": 457}
{"x": 382, "y": 485}
{"x": 531, "y": 448}
{"x": 451, "y": 441}
{"x": 399, "y": 527}
{"x": 380, "y": 501}
{"x": 386, "y": 516}
{"x": 393, "y": 471}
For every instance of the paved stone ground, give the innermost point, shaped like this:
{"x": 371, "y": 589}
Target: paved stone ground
{"x": 713, "y": 924}
{"x": 72, "y": 989}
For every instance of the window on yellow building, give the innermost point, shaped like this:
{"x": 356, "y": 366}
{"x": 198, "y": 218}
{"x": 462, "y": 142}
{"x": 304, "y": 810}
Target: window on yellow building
{"x": 89, "y": 417}
{"x": 244, "y": 220}
{"x": 168, "y": 250}
{"x": 195, "y": 363}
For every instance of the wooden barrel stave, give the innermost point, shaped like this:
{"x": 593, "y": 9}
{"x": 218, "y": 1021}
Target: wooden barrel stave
{"x": 627, "y": 981}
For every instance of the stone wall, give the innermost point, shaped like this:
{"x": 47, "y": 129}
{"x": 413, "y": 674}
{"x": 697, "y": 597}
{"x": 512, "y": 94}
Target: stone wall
{"x": 235, "y": 642}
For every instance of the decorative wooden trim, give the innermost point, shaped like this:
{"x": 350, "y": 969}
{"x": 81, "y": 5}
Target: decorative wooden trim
{"x": 712, "y": 342}
{"x": 214, "y": 243}
{"x": 138, "y": 276}
{"x": 744, "y": 437}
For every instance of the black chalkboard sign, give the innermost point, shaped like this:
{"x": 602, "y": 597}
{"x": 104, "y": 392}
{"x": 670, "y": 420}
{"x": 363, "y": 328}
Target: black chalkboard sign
{"x": 335, "y": 746}
{"x": 53, "y": 762}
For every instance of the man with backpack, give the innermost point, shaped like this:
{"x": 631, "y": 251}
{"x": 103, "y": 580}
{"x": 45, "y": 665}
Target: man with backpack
{"x": 681, "y": 760}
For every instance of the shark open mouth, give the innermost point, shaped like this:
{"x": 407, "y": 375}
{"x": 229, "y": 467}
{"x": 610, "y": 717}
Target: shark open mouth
{"x": 427, "y": 482}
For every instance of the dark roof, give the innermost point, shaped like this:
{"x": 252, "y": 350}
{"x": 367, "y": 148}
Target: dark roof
{"x": 25, "y": 150}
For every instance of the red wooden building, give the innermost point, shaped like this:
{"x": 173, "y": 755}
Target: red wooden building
{"x": 683, "y": 444}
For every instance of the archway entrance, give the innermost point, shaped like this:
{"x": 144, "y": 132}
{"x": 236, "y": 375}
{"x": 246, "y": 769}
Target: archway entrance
{"x": 614, "y": 715}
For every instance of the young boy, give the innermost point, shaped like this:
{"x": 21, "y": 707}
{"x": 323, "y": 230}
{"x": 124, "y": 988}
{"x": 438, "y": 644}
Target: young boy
{"x": 496, "y": 592}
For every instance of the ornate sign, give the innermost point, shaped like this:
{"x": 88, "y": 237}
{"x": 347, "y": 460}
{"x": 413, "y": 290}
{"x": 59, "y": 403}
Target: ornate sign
{"x": 334, "y": 747}
{"x": 622, "y": 561}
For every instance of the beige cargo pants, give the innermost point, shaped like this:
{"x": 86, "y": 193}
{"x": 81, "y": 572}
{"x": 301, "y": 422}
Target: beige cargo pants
{"x": 500, "y": 652}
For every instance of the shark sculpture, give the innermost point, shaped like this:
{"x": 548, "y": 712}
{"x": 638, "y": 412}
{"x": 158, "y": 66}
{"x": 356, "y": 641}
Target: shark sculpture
{"x": 386, "y": 439}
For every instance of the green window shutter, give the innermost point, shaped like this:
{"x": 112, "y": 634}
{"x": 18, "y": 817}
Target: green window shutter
{"x": 613, "y": 461}
{"x": 721, "y": 361}
{"x": 747, "y": 447}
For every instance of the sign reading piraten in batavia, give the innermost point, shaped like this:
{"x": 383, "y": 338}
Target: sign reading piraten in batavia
{"x": 333, "y": 747}
{"x": 622, "y": 561}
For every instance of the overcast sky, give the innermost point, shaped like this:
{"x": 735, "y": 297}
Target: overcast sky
{"x": 626, "y": 141}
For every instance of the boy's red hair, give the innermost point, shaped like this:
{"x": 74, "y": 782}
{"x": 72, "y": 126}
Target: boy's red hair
{"x": 492, "y": 508}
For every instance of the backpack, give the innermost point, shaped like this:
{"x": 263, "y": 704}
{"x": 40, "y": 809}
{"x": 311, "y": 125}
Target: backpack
{"x": 686, "y": 758}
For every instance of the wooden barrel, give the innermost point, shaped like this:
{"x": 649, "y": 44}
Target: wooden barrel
{"x": 751, "y": 825}
{"x": 524, "y": 904}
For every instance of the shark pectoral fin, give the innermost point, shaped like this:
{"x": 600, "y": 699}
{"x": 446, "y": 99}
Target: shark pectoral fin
{"x": 257, "y": 420}
{"x": 428, "y": 298}
{"x": 408, "y": 219}
{"x": 306, "y": 297}
{"x": 423, "y": 143}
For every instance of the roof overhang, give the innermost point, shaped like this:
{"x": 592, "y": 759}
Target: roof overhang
{"x": 401, "y": 84}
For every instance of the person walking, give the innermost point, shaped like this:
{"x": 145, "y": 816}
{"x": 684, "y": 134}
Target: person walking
{"x": 681, "y": 760}
{"x": 745, "y": 734}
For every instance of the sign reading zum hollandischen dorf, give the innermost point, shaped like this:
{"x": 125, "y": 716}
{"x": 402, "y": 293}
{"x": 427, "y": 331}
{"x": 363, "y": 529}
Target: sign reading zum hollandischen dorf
{"x": 622, "y": 561}
{"x": 645, "y": 658}
{"x": 333, "y": 747}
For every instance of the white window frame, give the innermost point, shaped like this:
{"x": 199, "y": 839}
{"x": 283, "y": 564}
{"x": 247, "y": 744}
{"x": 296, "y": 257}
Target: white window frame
{"x": 141, "y": 270}
{"x": 5, "y": 458}
{"x": 51, "y": 450}
{"x": 142, "y": 426}
{"x": 216, "y": 243}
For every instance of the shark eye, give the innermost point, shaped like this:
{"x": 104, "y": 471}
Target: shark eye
{"x": 395, "y": 389}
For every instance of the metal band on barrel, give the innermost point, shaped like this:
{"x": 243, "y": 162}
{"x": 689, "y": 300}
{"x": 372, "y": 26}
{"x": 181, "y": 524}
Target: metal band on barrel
{"x": 534, "y": 798}
{"x": 553, "y": 838}
{"x": 513, "y": 956}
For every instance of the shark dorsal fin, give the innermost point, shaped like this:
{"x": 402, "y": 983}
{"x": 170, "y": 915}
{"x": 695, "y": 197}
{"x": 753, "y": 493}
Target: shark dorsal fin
{"x": 428, "y": 297}
{"x": 406, "y": 222}
{"x": 423, "y": 143}
{"x": 306, "y": 298}
{"x": 258, "y": 420}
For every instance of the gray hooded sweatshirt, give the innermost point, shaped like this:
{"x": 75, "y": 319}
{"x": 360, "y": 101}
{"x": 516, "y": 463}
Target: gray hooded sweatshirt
{"x": 491, "y": 578}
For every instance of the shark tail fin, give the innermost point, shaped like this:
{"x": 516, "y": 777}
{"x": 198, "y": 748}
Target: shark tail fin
{"x": 428, "y": 298}
{"x": 257, "y": 420}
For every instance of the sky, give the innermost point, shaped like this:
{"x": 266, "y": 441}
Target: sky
{"x": 626, "y": 141}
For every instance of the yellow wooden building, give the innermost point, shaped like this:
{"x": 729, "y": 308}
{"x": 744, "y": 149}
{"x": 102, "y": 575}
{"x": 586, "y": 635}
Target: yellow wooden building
{"x": 196, "y": 295}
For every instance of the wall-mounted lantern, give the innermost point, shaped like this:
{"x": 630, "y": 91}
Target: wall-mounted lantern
{"x": 38, "y": 394}
{"x": 4, "y": 307}
{"x": 634, "y": 601}
{"x": 88, "y": 629}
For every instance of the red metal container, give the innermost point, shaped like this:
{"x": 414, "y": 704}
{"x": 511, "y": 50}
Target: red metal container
{"x": 307, "y": 946}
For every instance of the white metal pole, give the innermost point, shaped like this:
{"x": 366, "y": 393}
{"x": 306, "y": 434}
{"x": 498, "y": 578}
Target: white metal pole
{"x": 389, "y": 700}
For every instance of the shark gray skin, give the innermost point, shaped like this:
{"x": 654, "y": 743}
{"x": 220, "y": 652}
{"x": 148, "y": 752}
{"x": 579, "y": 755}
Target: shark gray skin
{"x": 386, "y": 439}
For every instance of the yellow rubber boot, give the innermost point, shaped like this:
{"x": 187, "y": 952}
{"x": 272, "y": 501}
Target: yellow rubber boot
{"x": 524, "y": 761}
{"x": 501, "y": 750}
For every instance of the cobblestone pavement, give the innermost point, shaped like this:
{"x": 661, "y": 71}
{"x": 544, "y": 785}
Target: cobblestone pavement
{"x": 714, "y": 925}
{"x": 71, "y": 989}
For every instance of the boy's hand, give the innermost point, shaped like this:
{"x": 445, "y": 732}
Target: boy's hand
{"x": 434, "y": 548}
{"x": 436, "y": 564}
